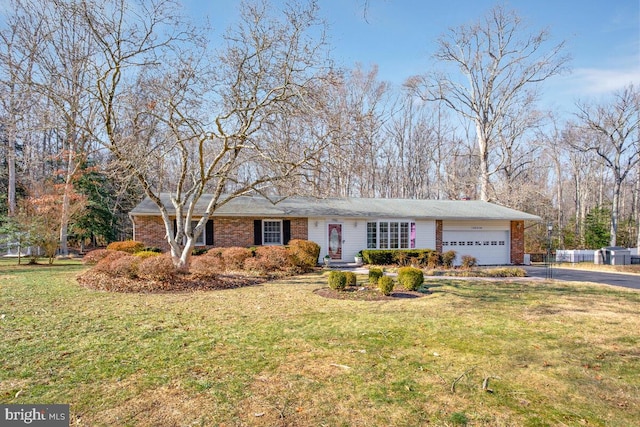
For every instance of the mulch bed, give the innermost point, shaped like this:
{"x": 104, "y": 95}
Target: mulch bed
{"x": 182, "y": 283}
{"x": 365, "y": 293}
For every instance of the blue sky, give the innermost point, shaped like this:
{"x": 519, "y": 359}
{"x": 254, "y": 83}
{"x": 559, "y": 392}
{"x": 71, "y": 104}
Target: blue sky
{"x": 602, "y": 36}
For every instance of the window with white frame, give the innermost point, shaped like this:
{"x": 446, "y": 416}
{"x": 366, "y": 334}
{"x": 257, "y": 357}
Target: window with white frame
{"x": 391, "y": 235}
{"x": 272, "y": 232}
{"x": 372, "y": 235}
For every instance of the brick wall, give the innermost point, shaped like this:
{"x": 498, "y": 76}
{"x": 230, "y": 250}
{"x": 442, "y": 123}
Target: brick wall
{"x": 150, "y": 231}
{"x": 226, "y": 231}
{"x": 439, "y": 235}
{"x": 517, "y": 242}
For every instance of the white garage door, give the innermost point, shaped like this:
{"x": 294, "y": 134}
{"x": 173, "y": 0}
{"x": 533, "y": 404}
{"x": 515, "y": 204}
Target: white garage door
{"x": 488, "y": 247}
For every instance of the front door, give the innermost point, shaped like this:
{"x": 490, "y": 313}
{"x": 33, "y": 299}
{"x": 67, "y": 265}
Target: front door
{"x": 335, "y": 241}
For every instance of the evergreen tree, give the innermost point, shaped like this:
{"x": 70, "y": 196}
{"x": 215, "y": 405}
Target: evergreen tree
{"x": 97, "y": 225}
{"x": 596, "y": 228}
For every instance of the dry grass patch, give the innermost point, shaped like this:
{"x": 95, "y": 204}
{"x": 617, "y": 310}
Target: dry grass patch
{"x": 277, "y": 354}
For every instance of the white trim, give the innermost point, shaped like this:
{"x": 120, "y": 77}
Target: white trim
{"x": 281, "y": 232}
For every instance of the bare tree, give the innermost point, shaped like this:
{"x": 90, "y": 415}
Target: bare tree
{"x": 20, "y": 39}
{"x": 499, "y": 67}
{"x": 612, "y": 133}
{"x": 206, "y": 123}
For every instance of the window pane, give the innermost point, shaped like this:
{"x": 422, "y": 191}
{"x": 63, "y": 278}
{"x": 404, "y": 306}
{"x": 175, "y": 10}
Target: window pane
{"x": 272, "y": 232}
{"x": 372, "y": 240}
{"x": 404, "y": 235}
{"x": 393, "y": 235}
{"x": 384, "y": 235}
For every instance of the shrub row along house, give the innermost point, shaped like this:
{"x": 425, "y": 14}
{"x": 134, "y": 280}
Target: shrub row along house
{"x": 493, "y": 234}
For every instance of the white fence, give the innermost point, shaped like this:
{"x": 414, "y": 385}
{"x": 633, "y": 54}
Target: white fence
{"x": 574, "y": 255}
{"x": 582, "y": 255}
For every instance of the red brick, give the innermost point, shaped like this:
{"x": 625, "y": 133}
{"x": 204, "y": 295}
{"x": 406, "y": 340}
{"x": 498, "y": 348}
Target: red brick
{"x": 227, "y": 231}
{"x": 517, "y": 242}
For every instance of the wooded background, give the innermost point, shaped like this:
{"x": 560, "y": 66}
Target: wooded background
{"x": 102, "y": 103}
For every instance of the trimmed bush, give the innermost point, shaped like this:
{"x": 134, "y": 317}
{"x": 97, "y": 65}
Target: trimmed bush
{"x": 235, "y": 257}
{"x": 208, "y": 265}
{"x": 158, "y": 268}
{"x": 128, "y": 246}
{"x": 410, "y": 278}
{"x": 93, "y": 257}
{"x": 269, "y": 259}
{"x": 448, "y": 259}
{"x": 126, "y": 266}
{"x": 304, "y": 253}
{"x": 104, "y": 265}
{"x": 374, "y": 275}
{"x": 337, "y": 280}
{"x": 469, "y": 261}
{"x": 146, "y": 254}
{"x": 385, "y": 285}
{"x": 394, "y": 256}
{"x": 352, "y": 280}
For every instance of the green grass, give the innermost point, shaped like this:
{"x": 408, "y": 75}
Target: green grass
{"x": 277, "y": 354}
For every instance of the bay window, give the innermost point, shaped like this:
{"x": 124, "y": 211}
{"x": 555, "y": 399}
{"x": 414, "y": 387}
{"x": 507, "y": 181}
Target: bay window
{"x": 391, "y": 235}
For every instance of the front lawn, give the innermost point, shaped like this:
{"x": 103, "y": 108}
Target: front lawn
{"x": 275, "y": 354}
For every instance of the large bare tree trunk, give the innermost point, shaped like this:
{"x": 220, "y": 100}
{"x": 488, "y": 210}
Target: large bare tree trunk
{"x": 11, "y": 166}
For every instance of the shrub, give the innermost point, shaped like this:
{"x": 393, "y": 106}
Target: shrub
{"x": 448, "y": 258}
{"x": 304, "y": 253}
{"x": 434, "y": 259}
{"x": 402, "y": 258}
{"x": 385, "y": 284}
{"x": 394, "y": 256}
{"x": 128, "y": 246}
{"x": 352, "y": 280}
{"x": 374, "y": 275}
{"x": 159, "y": 268}
{"x": 198, "y": 251}
{"x": 153, "y": 249}
{"x": 208, "y": 265}
{"x": 275, "y": 257}
{"x": 95, "y": 256}
{"x": 126, "y": 266}
{"x": 146, "y": 254}
{"x": 469, "y": 261}
{"x": 410, "y": 278}
{"x": 235, "y": 257}
{"x": 104, "y": 265}
{"x": 337, "y": 280}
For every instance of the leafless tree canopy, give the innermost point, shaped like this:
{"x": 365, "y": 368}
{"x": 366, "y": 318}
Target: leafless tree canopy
{"x": 135, "y": 91}
{"x": 491, "y": 73}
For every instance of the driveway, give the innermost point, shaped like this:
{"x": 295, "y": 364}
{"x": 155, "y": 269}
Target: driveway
{"x": 568, "y": 274}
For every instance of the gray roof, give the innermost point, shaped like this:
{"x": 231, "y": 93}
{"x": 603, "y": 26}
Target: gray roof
{"x": 304, "y": 207}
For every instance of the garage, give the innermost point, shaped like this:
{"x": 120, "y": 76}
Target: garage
{"x": 489, "y": 247}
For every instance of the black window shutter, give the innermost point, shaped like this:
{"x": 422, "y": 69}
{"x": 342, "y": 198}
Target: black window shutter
{"x": 175, "y": 227}
{"x": 209, "y": 233}
{"x": 286, "y": 231}
{"x": 257, "y": 232}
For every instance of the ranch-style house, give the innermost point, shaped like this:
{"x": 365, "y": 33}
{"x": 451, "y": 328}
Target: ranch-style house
{"x": 493, "y": 234}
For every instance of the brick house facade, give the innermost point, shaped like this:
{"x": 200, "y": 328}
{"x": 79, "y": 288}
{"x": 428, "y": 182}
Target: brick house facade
{"x": 227, "y": 232}
{"x": 492, "y": 233}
